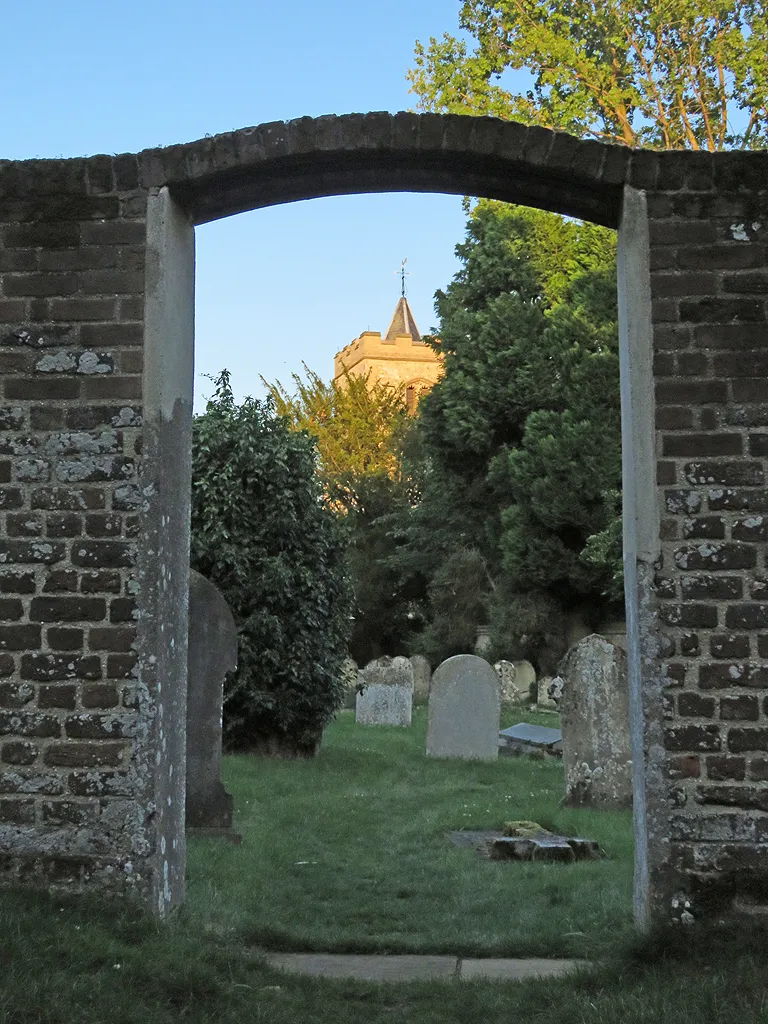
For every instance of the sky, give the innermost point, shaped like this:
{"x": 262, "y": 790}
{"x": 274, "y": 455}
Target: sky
{"x": 278, "y": 287}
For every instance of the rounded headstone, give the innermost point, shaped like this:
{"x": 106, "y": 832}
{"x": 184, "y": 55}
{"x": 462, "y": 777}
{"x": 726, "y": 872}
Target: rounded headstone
{"x": 464, "y": 710}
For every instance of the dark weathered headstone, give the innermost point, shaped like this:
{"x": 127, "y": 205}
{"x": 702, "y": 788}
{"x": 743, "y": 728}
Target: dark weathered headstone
{"x": 212, "y": 653}
{"x": 594, "y": 718}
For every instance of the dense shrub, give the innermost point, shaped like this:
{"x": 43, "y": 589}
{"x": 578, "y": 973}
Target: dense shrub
{"x": 261, "y": 533}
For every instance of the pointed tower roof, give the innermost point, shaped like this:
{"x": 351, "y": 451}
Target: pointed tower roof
{"x": 403, "y": 322}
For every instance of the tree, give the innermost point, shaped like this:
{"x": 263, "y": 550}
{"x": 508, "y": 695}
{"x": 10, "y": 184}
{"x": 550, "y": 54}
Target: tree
{"x": 359, "y": 424}
{"x": 521, "y": 442}
{"x": 261, "y": 533}
{"x": 361, "y": 427}
{"x": 668, "y": 74}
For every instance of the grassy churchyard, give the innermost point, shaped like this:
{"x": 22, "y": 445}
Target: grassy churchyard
{"x": 348, "y": 853}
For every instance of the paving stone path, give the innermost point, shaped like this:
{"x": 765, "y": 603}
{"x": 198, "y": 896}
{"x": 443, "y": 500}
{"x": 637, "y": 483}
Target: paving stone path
{"x": 418, "y": 968}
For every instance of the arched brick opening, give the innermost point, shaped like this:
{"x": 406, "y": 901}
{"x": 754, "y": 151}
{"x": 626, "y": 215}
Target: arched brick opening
{"x": 97, "y": 264}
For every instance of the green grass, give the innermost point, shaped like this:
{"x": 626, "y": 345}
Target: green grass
{"x": 348, "y": 853}
{"x": 371, "y": 810}
{"x": 82, "y": 963}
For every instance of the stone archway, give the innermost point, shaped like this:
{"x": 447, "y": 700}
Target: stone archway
{"x": 93, "y": 738}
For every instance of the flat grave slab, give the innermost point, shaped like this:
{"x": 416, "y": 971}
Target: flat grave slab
{"x": 541, "y": 846}
{"x": 526, "y": 739}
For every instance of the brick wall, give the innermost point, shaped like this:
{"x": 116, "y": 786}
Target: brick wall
{"x": 73, "y": 800}
{"x": 92, "y": 539}
{"x": 709, "y": 240}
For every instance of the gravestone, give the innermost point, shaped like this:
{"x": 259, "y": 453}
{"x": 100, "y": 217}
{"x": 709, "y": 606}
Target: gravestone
{"x": 594, "y": 718}
{"x": 348, "y": 678}
{"x": 483, "y": 641}
{"x": 212, "y": 652}
{"x": 464, "y": 710}
{"x": 385, "y": 692}
{"x": 422, "y": 677}
{"x": 525, "y": 676}
{"x": 510, "y": 691}
{"x": 544, "y": 696}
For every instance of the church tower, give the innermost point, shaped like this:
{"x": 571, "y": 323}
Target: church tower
{"x": 398, "y": 358}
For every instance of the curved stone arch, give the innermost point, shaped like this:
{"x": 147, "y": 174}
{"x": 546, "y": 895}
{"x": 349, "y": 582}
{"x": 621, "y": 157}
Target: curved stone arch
{"x": 307, "y": 158}
{"x": 75, "y": 236}
{"x": 366, "y": 153}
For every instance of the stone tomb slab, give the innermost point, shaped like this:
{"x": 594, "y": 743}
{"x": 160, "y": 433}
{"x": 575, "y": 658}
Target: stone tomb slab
{"x": 527, "y": 739}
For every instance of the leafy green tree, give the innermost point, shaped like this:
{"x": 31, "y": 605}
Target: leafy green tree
{"x": 359, "y": 423}
{"x": 669, "y": 74}
{"x": 261, "y": 533}
{"x": 361, "y": 426}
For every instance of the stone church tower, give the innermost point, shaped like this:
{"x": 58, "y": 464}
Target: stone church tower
{"x": 398, "y": 358}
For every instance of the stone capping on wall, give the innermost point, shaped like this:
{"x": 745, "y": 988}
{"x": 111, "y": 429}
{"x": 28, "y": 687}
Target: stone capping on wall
{"x": 309, "y": 157}
{"x": 285, "y": 161}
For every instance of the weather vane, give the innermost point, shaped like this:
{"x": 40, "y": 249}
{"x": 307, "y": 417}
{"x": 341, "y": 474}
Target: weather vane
{"x": 403, "y": 274}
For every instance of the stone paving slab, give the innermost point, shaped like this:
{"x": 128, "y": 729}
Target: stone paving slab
{"x": 396, "y": 968}
{"x": 367, "y": 968}
{"x": 517, "y": 970}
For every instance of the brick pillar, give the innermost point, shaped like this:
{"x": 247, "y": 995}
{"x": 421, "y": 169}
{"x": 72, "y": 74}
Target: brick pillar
{"x": 709, "y": 235}
{"x": 76, "y": 786}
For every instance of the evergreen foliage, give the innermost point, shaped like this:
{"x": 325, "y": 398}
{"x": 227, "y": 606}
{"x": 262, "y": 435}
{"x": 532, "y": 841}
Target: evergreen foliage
{"x": 262, "y": 534}
{"x": 521, "y": 450}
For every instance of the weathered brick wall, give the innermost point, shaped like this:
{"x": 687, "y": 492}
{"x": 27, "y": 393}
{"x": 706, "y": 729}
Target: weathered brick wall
{"x": 96, "y": 265}
{"x": 709, "y": 242}
{"x": 73, "y": 798}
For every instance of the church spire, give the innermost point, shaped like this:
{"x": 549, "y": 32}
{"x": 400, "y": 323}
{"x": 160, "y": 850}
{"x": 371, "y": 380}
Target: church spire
{"x": 402, "y": 322}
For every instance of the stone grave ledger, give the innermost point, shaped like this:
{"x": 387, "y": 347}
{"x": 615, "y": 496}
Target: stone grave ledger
{"x": 464, "y": 710}
{"x": 594, "y": 719}
{"x": 212, "y": 652}
{"x": 385, "y": 692}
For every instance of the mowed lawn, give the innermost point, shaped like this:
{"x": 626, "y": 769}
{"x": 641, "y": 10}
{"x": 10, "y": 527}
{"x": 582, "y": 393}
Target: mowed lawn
{"x": 349, "y": 853}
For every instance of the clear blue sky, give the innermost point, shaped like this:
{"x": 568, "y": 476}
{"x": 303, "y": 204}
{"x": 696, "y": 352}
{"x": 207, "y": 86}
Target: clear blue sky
{"x": 274, "y": 287}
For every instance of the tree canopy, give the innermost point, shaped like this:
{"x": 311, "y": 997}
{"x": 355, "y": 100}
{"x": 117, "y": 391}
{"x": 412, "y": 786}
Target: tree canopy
{"x": 520, "y": 464}
{"x": 361, "y": 426}
{"x": 668, "y": 74}
{"x": 261, "y": 533}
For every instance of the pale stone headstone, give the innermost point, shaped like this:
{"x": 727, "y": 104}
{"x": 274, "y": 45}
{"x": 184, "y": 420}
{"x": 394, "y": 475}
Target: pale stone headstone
{"x": 544, "y": 697}
{"x": 510, "y": 692}
{"x": 525, "y": 676}
{"x": 615, "y": 630}
{"x": 594, "y": 718}
{"x": 422, "y": 677}
{"x": 482, "y": 641}
{"x": 385, "y": 692}
{"x": 212, "y": 652}
{"x": 464, "y": 710}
